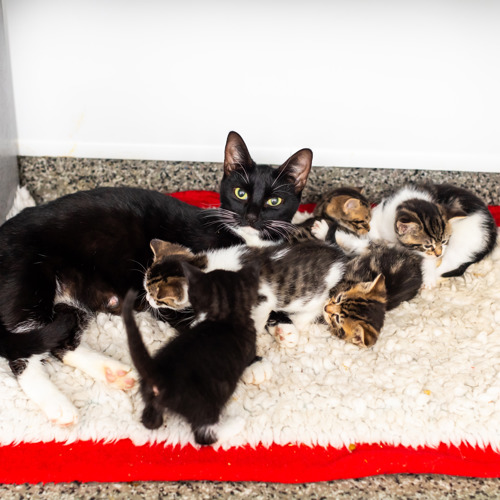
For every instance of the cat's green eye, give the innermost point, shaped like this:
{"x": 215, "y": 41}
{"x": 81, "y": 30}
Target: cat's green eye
{"x": 241, "y": 194}
{"x": 275, "y": 201}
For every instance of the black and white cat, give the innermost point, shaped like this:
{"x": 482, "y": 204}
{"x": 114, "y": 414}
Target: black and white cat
{"x": 195, "y": 373}
{"x": 89, "y": 248}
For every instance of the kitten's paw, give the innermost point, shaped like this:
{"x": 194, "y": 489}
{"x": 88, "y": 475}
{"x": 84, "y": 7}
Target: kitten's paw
{"x": 229, "y": 427}
{"x": 320, "y": 229}
{"x": 258, "y": 372}
{"x": 287, "y": 335}
{"x": 119, "y": 375}
{"x": 61, "y": 412}
{"x": 151, "y": 418}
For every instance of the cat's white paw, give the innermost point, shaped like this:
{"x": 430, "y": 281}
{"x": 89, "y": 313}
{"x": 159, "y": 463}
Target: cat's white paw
{"x": 101, "y": 367}
{"x": 320, "y": 229}
{"x": 229, "y": 427}
{"x": 287, "y": 335}
{"x": 119, "y": 375}
{"x": 258, "y": 372}
{"x": 60, "y": 411}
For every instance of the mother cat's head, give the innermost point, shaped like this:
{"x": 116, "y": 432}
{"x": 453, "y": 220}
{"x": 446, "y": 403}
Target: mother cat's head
{"x": 260, "y": 200}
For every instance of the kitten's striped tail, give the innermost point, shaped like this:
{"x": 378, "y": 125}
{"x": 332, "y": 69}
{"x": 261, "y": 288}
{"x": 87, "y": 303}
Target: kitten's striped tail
{"x": 141, "y": 358}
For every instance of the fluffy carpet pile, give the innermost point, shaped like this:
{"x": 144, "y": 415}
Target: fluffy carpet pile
{"x": 433, "y": 377}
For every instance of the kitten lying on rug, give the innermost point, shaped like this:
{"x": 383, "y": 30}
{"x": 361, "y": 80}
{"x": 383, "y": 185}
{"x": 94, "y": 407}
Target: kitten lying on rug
{"x": 450, "y": 226}
{"x": 294, "y": 278}
{"x": 376, "y": 281}
{"x": 87, "y": 249}
{"x": 195, "y": 374}
{"x": 344, "y": 210}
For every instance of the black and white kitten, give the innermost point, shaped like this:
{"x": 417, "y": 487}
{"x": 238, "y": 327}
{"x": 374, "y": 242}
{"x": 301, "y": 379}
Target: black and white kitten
{"x": 450, "y": 226}
{"x": 89, "y": 248}
{"x": 195, "y": 374}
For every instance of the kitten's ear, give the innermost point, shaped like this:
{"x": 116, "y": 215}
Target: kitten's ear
{"x": 358, "y": 336}
{"x": 364, "y": 337}
{"x": 298, "y": 167}
{"x": 252, "y": 271}
{"x": 192, "y": 273}
{"x": 406, "y": 227}
{"x": 165, "y": 248}
{"x": 236, "y": 154}
{"x": 455, "y": 214}
{"x": 351, "y": 204}
{"x": 378, "y": 287}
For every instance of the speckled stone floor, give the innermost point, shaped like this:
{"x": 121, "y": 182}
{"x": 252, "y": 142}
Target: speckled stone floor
{"x": 48, "y": 178}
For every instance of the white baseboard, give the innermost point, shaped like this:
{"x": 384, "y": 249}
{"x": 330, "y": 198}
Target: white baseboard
{"x": 324, "y": 157}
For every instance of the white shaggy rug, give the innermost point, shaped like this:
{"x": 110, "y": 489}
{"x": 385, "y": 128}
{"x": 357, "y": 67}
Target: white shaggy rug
{"x": 432, "y": 377}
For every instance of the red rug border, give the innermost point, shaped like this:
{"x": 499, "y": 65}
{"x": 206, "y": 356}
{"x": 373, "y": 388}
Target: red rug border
{"x": 122, "y": 461}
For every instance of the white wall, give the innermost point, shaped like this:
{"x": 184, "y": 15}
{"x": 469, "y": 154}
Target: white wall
{"x": 364, "y": 83}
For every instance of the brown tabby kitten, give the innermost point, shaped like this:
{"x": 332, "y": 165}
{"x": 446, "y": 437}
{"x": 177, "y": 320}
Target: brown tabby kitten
{"x": 356, "y": 313}
{"x": 376, "y": 281}
{"x": 344, "y": 209}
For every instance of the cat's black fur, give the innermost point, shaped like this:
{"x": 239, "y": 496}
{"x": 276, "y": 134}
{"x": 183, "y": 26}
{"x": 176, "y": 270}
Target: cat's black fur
{"x": 94, "y": 245}
{"x": 195, "y": 374}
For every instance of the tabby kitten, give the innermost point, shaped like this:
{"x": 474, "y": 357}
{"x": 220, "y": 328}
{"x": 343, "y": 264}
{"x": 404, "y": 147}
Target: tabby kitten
{"x": 88, "y": 249}
{"x": 294, "y": 278}
{"x": 195, "y": 374}
{"x": 376, "y": 281}
{"x": 344, "y": 210}
{"x": 450, "y": 226}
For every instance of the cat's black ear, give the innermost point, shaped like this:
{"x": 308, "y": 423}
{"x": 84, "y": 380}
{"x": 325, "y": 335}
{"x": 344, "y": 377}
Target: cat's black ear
{"x": 192, "y": 273}
{"x": 298, "y": 167}
{"x": 236, "y": 153}
{"x": 252, "y": 271}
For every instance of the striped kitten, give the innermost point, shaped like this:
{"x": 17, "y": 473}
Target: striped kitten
{"x": 376, "y": 281}
{"x": 450, "y": 226}
{"x": 294, "y": 278}
{"x": 344, "y": 210}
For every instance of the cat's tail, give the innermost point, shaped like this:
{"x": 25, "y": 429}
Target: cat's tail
{"x": 141, "y": 358}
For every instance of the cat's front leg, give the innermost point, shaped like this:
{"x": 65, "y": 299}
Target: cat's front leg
{"x": 101, "y": 367}
{"x": 430, "y": 273}
{"x": 258, "y": 371}
{"x": 282, "y": 328}
{"x": 320, "y": 229}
